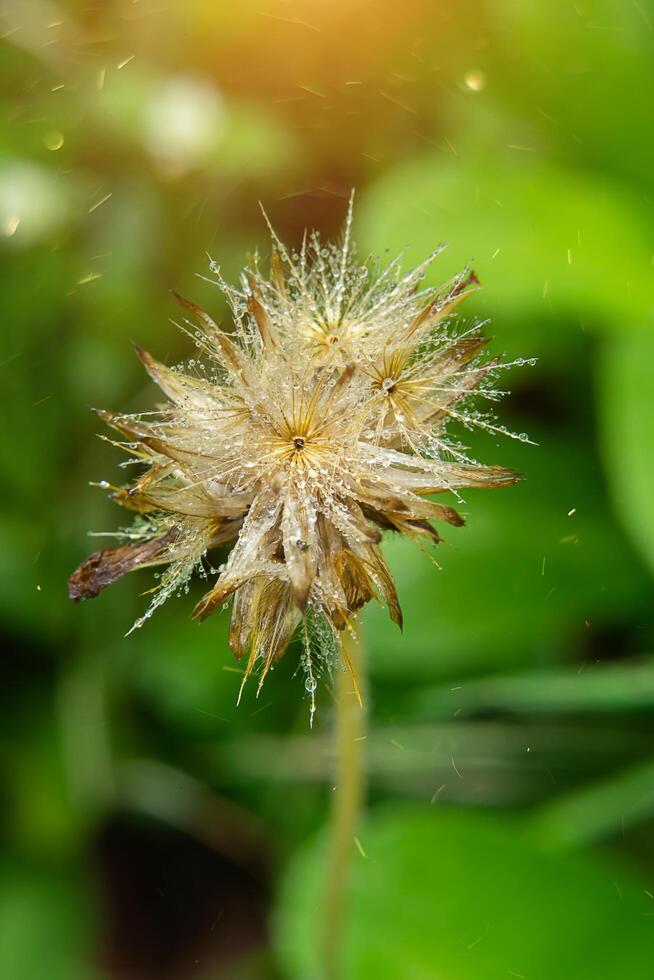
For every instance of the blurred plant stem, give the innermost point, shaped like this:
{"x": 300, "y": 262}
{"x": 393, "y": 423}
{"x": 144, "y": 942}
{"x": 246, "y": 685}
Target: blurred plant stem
{"x": 350, "y": 724}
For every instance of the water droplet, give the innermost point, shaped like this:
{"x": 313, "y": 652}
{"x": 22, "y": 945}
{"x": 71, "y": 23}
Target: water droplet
{"x": 53, "y": 140}
{"x": 475, "y": 80}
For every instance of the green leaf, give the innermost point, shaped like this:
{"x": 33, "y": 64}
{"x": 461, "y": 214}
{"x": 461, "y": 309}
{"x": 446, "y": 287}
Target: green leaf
{"x": 626, "y": 410}
{"x": 554, "y": 64}
{"x": 604, "y": 808}
{"x": 450, "y": 895}
{"x": 521, "y": 584}
{"x": 543, "y": 241}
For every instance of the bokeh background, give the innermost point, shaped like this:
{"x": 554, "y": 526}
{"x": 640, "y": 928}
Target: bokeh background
{"x": 150, "y": 828}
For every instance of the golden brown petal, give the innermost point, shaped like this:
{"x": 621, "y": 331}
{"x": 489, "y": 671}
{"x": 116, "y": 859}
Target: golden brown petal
{"x": 240, "y": 623}
{"x": 355, "y": 580}
{"x": 381, "y": 575}
{"x": 273, "y": 620}
{"x": 180, "y": 388}
{"x": 218, "y": 596}
{"x": 409, "y": 506}
{"x": 195, "y": 502}
{"x": 261, "y": 317}
{"x": 461, "y": 476}
{"x": 300, "y": 544}
{"x": 440, "y": 306}
{"x": 232, "y": 358}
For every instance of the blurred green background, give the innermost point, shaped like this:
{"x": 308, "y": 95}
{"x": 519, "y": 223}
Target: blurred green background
{"x": 150, "y": 828}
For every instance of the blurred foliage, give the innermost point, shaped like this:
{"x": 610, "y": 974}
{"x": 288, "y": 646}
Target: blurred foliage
{"x": 627, "y": 432}
{"x": 44, "y": 925}
{"x": 474, "y": 896}
{"x": 150, "y": 827}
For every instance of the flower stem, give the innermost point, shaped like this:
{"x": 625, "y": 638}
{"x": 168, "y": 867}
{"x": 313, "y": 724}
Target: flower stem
{"x": 348, "y": 801}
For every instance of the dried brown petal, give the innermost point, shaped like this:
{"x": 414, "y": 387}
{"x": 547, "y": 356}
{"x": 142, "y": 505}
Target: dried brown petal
{"x": 105, "y": 567}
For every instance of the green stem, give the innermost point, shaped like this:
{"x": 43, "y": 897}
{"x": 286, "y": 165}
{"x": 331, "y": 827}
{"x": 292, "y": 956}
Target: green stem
{"x": 348, "y": 802}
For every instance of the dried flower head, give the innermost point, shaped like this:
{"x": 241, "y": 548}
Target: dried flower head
{"x": 300, "y": 435}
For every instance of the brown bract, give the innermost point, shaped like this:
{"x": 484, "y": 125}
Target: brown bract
{"x": 299, "y": 435}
